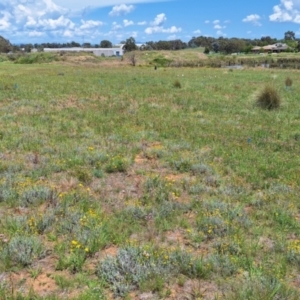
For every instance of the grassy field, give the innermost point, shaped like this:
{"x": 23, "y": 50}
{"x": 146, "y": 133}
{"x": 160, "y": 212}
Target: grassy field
{"x": 131, "y": 183}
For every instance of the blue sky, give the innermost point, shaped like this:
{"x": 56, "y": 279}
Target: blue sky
{"x": 37, "y": 21}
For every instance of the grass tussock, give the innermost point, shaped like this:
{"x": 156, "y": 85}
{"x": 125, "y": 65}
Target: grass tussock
{"x": 177, "y": 84}
{"x": 269, "y": 98}
{"x": 288, "y": 82}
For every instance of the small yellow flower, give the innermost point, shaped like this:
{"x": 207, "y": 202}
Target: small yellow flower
{"x": 86, "y": 249}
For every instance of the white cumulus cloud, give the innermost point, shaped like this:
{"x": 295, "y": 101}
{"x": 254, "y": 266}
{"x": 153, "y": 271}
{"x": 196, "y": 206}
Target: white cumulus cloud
{"x": 5, "y": 21}
{"x": 221, "y": 33}
{"x": 157, "y": 26}
{"x": 35, "y": 33}
{"x": 254, "y": 19}
{"x": 90, "y": 24}
{"x": 61, "y": 20}
{"x": 127, "y": 23}
{"x": 134, "y": 34}
{"x": 79, "y": 5}
{"x": 122, "y": 9}
{"x": 217, "y": 26}
{"x": 116, "y": 26}
{"x": 172, "y": 37}
{"x": 159, "y": 20}
{"x": 160, "y": 29}
{"x": 54, "y": 24}
{"x": 286, "y": 11}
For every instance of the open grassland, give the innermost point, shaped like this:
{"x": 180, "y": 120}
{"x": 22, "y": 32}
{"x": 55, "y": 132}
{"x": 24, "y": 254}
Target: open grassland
{"x": 132, "y": 183}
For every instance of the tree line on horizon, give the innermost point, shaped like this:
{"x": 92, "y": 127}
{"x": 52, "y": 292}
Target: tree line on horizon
{"x": 217, "y": 45}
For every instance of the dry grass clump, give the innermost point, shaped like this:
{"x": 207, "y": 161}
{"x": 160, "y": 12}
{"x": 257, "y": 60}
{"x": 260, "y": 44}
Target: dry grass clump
{"x": 269, "y": 98}
{"x": 288, "y": 82}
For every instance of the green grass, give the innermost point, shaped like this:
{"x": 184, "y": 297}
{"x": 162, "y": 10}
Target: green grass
{"x": 108, "y": 170}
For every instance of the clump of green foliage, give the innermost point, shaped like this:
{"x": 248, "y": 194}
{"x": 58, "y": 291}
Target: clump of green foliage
{"x": 269, "y": 98}
{"x": 34, "y": 58}
{"x": 161, "y": 61}
{"x": 117, "y": 164}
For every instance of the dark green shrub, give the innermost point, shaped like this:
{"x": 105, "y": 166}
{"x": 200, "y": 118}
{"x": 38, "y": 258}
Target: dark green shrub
{"x": 269, "y": 98}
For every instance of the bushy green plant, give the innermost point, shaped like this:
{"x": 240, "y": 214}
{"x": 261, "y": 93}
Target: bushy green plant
{"x": 135, "y": 213}
{"x": 23, "y": 250}
{"x": 45, "y": 222}
{"x": 213, "y": 226}
{"x": 156, "y": 189}
{"x": 169, "y": 208}
{"x": 260, "y": 287}
{"x": 72, "y": 262}
{"x": 126, "y": 270}
{"x": 37, "y": 195}
{"x": 14, "y": 224}
{"x": 200, "y": 168}
{"x": 182, "y": 164}
{"x": 117, "y": 164}
{"x": 133, "y": 266}
{"x": 269, "y": 98}
{"x": 7, "y": 191}
{"x": 83, "y": 174}
{"x": 293, "y": 252}
{"x": 223, "y": 264}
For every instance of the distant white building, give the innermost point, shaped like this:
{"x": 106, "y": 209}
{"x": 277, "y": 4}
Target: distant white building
{"x": 115, "y": 51}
